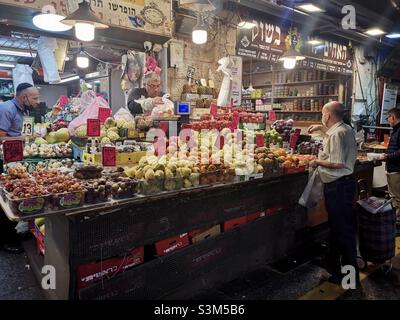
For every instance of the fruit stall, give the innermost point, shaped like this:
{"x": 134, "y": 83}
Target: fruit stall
{"x": 122, "y": 217}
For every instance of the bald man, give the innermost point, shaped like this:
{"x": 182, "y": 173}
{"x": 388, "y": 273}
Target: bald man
{"x": 13, "y": 111}
{"x": 336, "y": 166}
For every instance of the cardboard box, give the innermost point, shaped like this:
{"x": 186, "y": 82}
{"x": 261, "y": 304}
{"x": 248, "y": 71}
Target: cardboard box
{"x": 92, "y": 272}
{"x": 233, "y": 223}
{"x": 254, "y": 216}
{"x": 171, "y": 244}
{"x": 200, "y": 235}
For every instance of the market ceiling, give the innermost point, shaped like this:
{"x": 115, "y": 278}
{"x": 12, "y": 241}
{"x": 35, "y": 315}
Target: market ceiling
{"x": 369, "y": 13}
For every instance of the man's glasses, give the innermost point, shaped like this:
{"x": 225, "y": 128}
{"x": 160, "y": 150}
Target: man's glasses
{"x": 154, "y": 86}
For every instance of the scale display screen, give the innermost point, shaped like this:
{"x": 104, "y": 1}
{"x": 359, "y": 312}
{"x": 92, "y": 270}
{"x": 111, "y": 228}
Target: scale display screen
{"x": 183, "y": 108}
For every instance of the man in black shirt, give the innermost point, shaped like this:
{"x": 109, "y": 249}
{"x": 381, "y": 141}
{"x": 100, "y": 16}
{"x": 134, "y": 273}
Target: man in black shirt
{"x": 151, "y": 92}
{"x": 392, "y": 158}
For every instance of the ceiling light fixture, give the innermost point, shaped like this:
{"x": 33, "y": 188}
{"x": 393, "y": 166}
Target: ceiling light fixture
{"x": 85, "y": 22}
{"x": 247, "y": 25}
{"x": 314, "y": 42}
{"x": 73, "y": 78}
{"x": 17, "y": 53}
{"x": 374, "y": 32}
{"x": 50, "y": 22}
{"x": 309, "y": 7}
{"x": 82, "y": 59}
{"x": 6, "y": 65}
{"x": 395, "y": 35}
{"x": 199, "y": 32}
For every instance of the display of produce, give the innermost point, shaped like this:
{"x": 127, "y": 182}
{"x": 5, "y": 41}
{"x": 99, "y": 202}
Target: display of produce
{"x": 309, "y": 147}
{"x": 283, "y": 127}
{"x": 87, "y": 172}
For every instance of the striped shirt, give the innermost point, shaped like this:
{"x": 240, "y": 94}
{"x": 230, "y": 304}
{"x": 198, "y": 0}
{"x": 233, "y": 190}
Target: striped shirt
{"x": 340, "y": 147}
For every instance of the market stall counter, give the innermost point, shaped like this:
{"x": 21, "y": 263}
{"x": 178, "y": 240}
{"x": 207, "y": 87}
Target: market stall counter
{"x": 172, "y": 244}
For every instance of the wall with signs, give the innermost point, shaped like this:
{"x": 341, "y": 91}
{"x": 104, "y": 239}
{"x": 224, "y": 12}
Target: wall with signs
{"x": 153, "y": 16}
{"x": 201, "y": 58}
{"x": 269, "y": 41}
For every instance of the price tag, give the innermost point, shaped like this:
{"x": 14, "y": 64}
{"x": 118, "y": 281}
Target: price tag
{"x": 203, "y": 82}
{"x": 293, "y": 138}
{"x": 109, "y": 156}
{"x": 213, "y": 110}
{"x": 211, "y": 84}
{"x": 28, "y": 124}
{"x": 272, "y": 116}
{"x": 104, "y": 113}
{"x": 13, "y": 150}
{"x": 93, "y": 128}
{"x": 260, "y": 141}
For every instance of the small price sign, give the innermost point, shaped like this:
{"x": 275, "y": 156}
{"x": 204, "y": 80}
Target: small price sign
{"x": 272, "y": 116}
{"x": 93, "y": 127}
{"x": 104, "y": 113}
{"x": 235, "y": 118}
{"x": 109, "y": 156}
{"x": 293, "y": 138}
{"x": 13, "y": 150}
{"x": 260, "y": 141}
{"x": 213, "y": 110}
{"x": 28, "y": 124}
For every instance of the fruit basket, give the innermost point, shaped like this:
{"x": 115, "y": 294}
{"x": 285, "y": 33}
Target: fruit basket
{"x": 27, "y": 206}
{"x": 124, "y": 188}
{"x": 68, "y": 200}
{"x": 173, "y": 183}
{"x": 97, "y": 191}
{"x": 149, "y": 187}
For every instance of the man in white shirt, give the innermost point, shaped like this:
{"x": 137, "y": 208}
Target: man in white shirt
{"x": 336, "y": 166}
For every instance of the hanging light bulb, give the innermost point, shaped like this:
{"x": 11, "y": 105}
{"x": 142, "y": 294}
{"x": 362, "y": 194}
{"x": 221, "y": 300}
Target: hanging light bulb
{"x": 85, "y": 22}
{"x": 82, "y": 60}
{"x": 199, "y": 33}
{"x": 289, "y": 63}
{"x": 84, "y": 31}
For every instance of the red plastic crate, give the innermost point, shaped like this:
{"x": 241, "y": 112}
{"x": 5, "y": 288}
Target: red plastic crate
{"x": 95, "y": 271}
{"x": 198, "y": 235}
{"x": 171, "y": 244}
{"x": 294, "y": 170}
{"x": 254, "y": 216}
{"x": 233, "y": 223}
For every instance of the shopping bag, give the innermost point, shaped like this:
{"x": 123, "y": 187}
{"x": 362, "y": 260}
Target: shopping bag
{"x": 313, "y": 192}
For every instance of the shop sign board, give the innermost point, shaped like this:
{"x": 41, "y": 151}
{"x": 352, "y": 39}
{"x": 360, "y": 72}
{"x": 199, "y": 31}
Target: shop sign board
{"x": 143, "y": 15}
{"x": 389, "y": 100}
{"x": 268, "y": 41}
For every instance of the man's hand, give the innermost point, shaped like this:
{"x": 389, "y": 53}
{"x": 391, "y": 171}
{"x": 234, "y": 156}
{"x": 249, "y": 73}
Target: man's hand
{"x": 157, "y": 100}
{"x": 314, "y": 164}
{"x": 315, "y": 127}
{"x": 383, "y": 156}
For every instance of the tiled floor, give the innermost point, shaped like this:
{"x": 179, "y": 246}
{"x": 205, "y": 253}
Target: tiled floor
{"x": 17, "y": 282}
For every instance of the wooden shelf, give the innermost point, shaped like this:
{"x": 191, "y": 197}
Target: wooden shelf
{"x": 293, "y": 97}
{"x": 256, "y": 98}
{"x": 305, "y": 123}
{"x": 306, "y": 82}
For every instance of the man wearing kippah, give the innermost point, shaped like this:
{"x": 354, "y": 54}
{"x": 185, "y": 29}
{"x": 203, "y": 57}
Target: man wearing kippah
{"x": 11, "y": 119}
{"x": 13, "y": 111}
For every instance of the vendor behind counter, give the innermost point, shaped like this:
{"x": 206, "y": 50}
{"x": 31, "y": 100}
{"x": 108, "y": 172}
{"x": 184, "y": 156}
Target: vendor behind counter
{"x": 152, "y": 93}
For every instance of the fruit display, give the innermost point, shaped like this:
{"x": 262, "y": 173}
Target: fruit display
{"x": 283, "y": 127}
{"x": 309, "y": 147}
{"x": 61, "y": 150}
{"x": 143, "y": 123}
{"x": 24, "y": 188}
{"x": 273, "y": 137}
{"x": 87, "y": 172}
{"x": 248, "y": 117}
{"x": 122, "y": 187}
{"x": 97, "y": 190}
{"x": 17, "y": 172}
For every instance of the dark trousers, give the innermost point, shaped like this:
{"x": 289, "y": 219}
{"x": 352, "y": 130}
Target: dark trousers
{"x": 339, "y": 196}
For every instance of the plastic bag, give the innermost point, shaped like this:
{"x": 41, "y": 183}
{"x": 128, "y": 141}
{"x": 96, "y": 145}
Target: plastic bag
{"x": 22, "y": 73}
{"x": 124, "y": 114}
{"x": 313, "y": 192}
{"x": 90, "y": 105}
{"x": 163, "y": 110}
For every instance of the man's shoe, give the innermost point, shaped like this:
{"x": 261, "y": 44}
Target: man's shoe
{"x": 14, "y": 247}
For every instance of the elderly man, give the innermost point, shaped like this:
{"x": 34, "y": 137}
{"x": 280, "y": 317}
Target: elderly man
{"x": 150, "y": 95}
{"x": 392, "y": 157}
{"x": 11, "y": 120}
{"x": 335, "y": 166}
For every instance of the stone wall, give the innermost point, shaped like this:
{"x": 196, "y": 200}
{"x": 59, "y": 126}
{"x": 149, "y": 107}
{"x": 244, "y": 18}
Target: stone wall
{"x": 202, "y": 58}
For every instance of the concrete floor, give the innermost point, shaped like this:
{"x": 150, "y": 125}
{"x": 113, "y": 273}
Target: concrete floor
{"x": 18, "y": 283}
